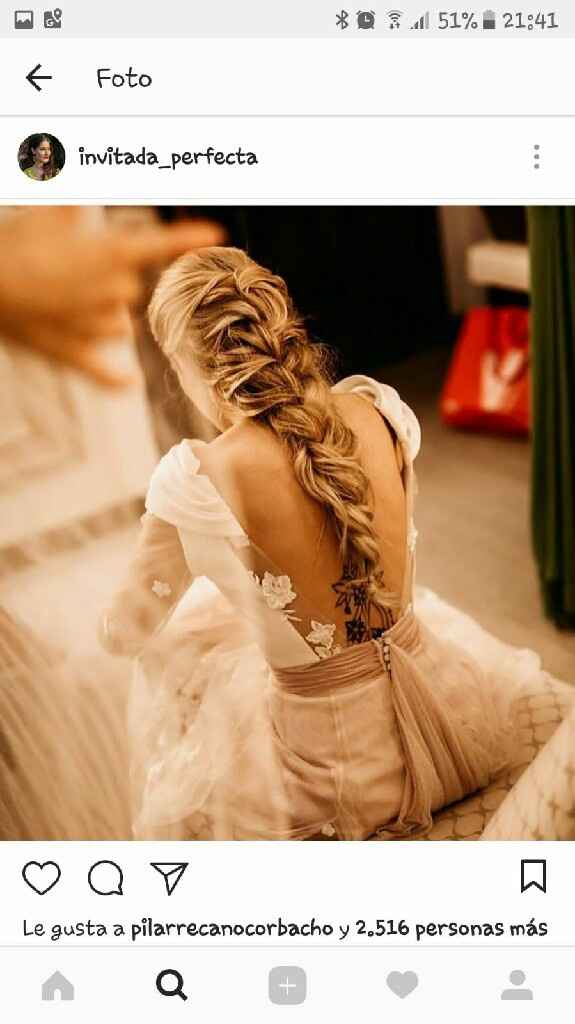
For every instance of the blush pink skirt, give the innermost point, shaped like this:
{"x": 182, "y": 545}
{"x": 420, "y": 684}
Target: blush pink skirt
{"x": 379, "y": 736}
{"x": 372, "y": 740}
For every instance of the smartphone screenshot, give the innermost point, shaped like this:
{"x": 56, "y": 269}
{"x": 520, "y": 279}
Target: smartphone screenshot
{"x": 287, "y": 511}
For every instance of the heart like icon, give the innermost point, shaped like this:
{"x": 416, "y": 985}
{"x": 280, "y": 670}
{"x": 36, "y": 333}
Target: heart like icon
{"x": 402, "y": 984}
{"x": 41, "y": 877}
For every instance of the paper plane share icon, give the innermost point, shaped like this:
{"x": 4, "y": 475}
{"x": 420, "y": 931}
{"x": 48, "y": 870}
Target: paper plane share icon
{"x": 171, "y": 872}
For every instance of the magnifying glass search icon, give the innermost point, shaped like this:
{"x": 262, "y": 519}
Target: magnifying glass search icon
{"x": 171, "y": 983}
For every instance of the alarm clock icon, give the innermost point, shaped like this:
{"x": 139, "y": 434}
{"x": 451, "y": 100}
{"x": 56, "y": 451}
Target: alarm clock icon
{"x": 366, "y": 19}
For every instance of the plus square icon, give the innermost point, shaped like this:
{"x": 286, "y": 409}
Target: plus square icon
{"x": 287, "y": 986}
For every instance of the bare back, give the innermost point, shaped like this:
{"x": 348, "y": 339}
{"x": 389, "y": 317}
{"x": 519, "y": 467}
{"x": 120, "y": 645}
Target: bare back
{"x": 252, "y": 471}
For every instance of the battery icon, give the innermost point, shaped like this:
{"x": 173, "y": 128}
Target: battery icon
{"x": 489, "y": 19}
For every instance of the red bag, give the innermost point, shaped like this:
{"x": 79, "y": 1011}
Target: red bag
{"x": 488, "y": 381}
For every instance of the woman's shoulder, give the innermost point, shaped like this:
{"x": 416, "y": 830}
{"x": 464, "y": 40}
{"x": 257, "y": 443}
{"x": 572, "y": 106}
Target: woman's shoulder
{"x": 248, "y": 465}
{"x": 246, "y": 444}
{"x": 390, "y": 404}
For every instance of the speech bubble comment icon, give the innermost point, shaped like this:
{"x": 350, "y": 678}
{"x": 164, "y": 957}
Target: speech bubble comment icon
{"x": 105, "y": 878}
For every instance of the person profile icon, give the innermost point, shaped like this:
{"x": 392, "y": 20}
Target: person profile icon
{"x": 517, "y": 979}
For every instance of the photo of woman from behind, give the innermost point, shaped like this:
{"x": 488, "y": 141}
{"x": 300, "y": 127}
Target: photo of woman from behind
{"x": 41, "y": 157}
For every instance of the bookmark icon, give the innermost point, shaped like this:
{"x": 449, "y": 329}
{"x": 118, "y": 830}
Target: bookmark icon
{"x": 172, "y": 873}
{"x": 534, "y": 875}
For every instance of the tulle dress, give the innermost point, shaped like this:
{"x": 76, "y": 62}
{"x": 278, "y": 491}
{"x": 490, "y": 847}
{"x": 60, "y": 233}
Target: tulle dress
{"x": 253, "y": 718}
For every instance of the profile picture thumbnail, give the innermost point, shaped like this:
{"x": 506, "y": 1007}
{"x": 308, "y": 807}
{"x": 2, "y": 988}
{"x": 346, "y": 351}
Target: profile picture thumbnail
{"x": 41, "y": 156}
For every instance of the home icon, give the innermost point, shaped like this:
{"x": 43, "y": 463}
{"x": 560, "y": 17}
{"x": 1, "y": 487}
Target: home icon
{"x": 57, "y": 987}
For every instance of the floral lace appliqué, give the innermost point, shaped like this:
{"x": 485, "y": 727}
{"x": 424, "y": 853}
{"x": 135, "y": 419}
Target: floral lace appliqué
{"x": 321, "y": 638}
{"x": 328, "y": 830}
{"x": 161, "y": 589}
{"x": 278, "y": 593}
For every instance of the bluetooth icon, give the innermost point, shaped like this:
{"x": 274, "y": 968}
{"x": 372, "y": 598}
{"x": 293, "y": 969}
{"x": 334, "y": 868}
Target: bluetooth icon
{"x": 342, "y": 20}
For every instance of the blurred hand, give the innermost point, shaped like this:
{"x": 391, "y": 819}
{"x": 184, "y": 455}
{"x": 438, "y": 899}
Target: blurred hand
{"x": 66, "y": 284}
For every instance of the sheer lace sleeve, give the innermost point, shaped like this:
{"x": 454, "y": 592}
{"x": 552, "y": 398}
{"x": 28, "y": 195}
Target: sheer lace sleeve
{"x": 185, "y": 525}
{"x": 157, "y": 578}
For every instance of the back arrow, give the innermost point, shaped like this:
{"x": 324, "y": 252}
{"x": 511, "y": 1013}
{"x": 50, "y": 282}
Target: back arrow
{"x": 33, "y": 77}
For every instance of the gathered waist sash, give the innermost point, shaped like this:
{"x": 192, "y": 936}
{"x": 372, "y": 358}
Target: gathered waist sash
{"x": 444, "y": 758}
{"x": 360, "y": 663}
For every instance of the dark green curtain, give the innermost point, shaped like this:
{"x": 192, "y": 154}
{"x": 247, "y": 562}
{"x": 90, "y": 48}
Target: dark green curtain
{"x": 552, "y": 245}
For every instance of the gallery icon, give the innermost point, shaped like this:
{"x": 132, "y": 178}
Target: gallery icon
{"x": 57, "y": 987}
{"x": 53, "y": 19}
{"x": 24, "y": 19}
{"x": 171, "y": 872}
{"x": 41, "y": 877}
{"x": 534, "y": 875}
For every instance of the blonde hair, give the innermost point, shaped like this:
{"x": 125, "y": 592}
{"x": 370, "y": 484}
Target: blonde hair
{"x": 238, "y": 324}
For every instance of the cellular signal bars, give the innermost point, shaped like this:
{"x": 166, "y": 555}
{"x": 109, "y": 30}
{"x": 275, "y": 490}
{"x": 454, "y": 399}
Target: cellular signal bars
{"x": 422, "y": 22}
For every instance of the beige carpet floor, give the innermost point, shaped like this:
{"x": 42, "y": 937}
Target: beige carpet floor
{"x": 472, "y": 515}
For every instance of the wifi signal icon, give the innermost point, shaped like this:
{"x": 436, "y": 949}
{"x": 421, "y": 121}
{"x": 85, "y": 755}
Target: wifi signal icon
{"x": 395, "y": 18}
